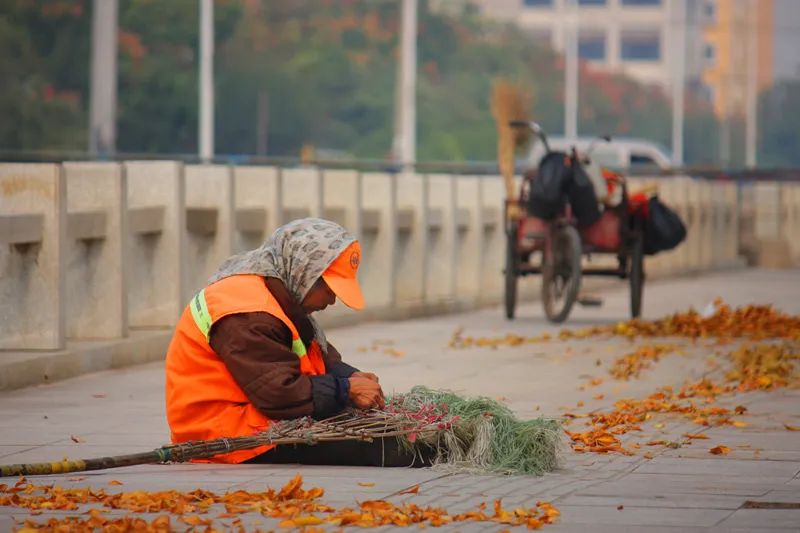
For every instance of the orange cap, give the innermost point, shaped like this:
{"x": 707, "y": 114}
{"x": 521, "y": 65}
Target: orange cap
{"x": 341, "y": 276}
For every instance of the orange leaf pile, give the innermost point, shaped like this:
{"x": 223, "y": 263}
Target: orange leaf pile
{"x": 293, "y": 505}
{"x": 632, "y": 364}
{"x": 756, "y": 322}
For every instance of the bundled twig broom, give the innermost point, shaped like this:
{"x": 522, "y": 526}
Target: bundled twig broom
{"x": 468, "y": 434}
{"x": 509, "y": 102}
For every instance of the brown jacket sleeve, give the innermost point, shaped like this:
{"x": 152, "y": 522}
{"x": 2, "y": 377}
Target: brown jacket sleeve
{"x": 256, "y": 349}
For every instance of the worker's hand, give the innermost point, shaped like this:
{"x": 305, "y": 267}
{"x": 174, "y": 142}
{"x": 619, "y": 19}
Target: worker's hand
{"x": 368, "y": 375}
{"x": 365, "y": 393}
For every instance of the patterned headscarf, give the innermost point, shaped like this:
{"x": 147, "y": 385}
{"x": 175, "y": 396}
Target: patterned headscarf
{"x": 297, "y": 254}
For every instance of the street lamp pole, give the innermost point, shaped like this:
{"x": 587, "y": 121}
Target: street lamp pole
{"x": 751, "y": 129}
{"x": 678, "y": 80}
{"x": 206, "y": 123}
{"x": 571, "y": 71}
{"x": 103, "y": 95}
{"x": 405, "y": 137}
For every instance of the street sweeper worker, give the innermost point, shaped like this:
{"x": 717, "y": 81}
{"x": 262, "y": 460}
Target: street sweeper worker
{"x": 246, "y": 349}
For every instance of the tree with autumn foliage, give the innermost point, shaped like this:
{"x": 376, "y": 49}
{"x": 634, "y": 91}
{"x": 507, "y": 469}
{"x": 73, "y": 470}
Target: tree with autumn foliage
{"x": 327, "y": 68}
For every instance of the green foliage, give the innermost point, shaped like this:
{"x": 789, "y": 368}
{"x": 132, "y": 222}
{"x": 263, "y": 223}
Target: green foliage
{"x": 328, "y": 69}
{"x": 779, "y": 138}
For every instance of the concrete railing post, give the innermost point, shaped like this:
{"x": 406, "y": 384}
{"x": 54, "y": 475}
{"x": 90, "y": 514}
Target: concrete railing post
{"x": 33, "y": 224}
{"x": 210, "y": 223}
{"x": 156, "y": 243}
{"x": 96, "y": 250}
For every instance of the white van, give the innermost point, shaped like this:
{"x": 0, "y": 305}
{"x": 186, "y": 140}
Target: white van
{"x": 620, "y": 154}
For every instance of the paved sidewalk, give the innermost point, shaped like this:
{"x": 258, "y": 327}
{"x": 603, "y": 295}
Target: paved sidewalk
{"x": 683, "y": 489}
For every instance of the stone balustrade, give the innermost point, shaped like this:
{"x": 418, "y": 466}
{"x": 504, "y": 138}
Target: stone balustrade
{"x": 97, "y": 250}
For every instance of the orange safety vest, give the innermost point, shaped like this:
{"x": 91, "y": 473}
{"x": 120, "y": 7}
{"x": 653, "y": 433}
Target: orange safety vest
{"x": 203, "y": 400}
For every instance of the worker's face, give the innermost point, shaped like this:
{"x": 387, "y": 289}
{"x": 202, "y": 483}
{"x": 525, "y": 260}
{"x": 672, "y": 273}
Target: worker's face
{"x": 318, "y": 297}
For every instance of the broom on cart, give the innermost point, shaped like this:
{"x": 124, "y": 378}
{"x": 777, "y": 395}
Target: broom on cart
{"x": 509, "y": 102}
{"x": 467, "y": 434}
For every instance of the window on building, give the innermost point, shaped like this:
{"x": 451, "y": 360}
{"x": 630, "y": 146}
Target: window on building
{"x": 592, "y": 45}
{"x": 641, "y": 2}
{"x": 709, "y": 53}
{"x": 640, "y": 45}
{"x": 592, "y": 2}
{"x": 537, "y": 3}
{"x": 710, "y": 11}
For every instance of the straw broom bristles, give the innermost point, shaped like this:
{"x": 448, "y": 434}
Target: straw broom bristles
{"x": 509, "y": 102}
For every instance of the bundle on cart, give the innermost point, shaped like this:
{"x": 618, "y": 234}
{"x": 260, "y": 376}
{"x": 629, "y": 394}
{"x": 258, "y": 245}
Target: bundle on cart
{"x": 470, "y": 434}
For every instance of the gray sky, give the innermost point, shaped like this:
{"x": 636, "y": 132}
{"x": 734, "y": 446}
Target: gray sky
{"x": 787, "y": 39}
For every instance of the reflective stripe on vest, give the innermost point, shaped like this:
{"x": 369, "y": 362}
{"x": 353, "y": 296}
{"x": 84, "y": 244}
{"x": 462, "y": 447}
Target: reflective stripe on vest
{"x": 200, "y": 313}
{"x": 203, "y": 321}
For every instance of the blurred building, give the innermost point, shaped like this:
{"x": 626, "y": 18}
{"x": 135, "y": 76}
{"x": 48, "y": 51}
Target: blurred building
{"x": 639, "y": 39}
{"x": 732, "y": 27}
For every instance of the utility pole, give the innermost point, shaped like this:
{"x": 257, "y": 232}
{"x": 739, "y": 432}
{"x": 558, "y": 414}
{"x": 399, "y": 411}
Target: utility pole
{"x": 206, "y": 111}
{"x": 678, "y": 79}
{"x": 571, "y": 71}
{"x": 405, "y": 135}
{"x": 751, "y": 113}
{"x": 103, "y": 91}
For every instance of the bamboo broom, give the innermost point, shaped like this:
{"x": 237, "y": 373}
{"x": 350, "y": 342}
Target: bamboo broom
{"x": 508, "y": 102}
{"x": 363, "y": 426}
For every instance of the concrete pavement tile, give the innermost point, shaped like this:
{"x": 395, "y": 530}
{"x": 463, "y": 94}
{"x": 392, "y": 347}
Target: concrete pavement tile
{"x": 745, "y": 454}
{"x": 641, "y": 516}
{"x": 719, "y": 467}
{"x": 671, "y": 500}
{"x": 559, "y": 527}
{"x": 784, "y": 496}
{"x": 764, "y": 518}
{"x": 48, "y": 453}
{"x": 6, "y": 450}
{"x": 655, "y": 484}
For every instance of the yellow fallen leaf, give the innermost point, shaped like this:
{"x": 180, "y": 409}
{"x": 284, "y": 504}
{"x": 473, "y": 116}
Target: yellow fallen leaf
{"x": 306, "y": 520}
{"x": 659, "y": 425}
{"x": 365, "y": 484}
{"x": 791, "y": 428}
{"x": 720, "y": 450}
{"x": 115, "y": 482}
{"x": 412, "y": 490}
{"x": 739, "y": 424}
{"x": 695, "y": 435}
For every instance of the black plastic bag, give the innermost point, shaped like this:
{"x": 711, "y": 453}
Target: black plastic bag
{"x": 663, "y": 229}
{"x": 546, "y": 197}
{"x": 582, "y": 198}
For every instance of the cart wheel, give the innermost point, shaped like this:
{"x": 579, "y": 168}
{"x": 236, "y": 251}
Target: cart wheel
{"x": 512, "y": 265}
{"x": 561, "y": 274}
{"x": 637, "y": 276}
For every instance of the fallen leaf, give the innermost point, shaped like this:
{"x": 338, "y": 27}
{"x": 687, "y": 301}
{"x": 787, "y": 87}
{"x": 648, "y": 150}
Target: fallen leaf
{"x": 412, "y": 490}
{"x": 580, "y": 404}
{"x": 101, "y": 395}
{"x": 76, "y": 478}
{"x": 76, "y": 439}
{"x": 791, "y": 428}
{"x": 620, "y": 507}
{"x": 306, "y": 520}
{"x": 599, "y": 397}
{"x": 659, "y": 425}
{"x": 115, "y": 482}
{"x": 739, "y": 424}
{"x": 649, "y": 455}
{"x": 365, "y": 484}
{"x": 695, "y": 435}
{"x": 740, "y": 409}
{"x": 720, "y": 450}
